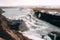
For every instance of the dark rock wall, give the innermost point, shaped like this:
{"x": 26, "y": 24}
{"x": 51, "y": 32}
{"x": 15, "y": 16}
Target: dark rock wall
{"x": 53, "y": 19}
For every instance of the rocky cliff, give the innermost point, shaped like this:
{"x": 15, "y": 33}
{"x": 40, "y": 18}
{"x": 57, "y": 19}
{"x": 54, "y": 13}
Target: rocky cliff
{"x": 8, "y": 32}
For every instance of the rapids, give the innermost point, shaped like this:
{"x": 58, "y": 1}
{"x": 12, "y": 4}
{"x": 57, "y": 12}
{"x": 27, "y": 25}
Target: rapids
{"x": 37, "y": 27}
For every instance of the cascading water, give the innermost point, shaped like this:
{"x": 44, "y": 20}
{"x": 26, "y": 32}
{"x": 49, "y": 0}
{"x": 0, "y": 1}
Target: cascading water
{"x": 37, "y": 27}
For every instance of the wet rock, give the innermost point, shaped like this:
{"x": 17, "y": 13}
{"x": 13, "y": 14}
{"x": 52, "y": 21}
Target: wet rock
{"x": 23, "y": 26}
{"x": 54, "y": 35}
{"x": 14, "y": 25}
{"x": 52, "y": 19}
{"x": 6, "y": 33}
{"x": 18, "y": 25}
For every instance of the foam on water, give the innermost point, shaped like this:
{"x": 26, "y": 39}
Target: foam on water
{"x": 37, "y": 27}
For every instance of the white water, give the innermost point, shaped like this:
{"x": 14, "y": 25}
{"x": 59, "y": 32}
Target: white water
{"x": 37, "y": 27}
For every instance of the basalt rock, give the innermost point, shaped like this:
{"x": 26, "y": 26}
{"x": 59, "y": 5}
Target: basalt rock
{"x": 52, "y": 19}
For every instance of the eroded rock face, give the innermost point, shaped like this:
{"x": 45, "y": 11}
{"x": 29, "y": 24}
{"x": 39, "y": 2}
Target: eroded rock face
{"x": 53, "y": 19}
{"x": 6, "y": 33}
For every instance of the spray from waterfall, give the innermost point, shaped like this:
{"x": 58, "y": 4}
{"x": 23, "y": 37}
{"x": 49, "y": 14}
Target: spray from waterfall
{"x": 36, "y": 27}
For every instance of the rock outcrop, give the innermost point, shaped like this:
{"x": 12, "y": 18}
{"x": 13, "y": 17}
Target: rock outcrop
{"x": 18, "y": 25}
{"x": 53, "y": 19}
{"x": 8, "y": 32}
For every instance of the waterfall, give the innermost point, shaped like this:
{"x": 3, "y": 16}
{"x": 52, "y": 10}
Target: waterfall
{"x": 37, "y": 27}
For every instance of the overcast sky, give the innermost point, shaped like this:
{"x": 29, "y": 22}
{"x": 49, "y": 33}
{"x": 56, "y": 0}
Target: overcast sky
{"x": 29, "y": 2}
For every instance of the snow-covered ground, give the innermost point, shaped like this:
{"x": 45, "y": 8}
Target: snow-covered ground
{"x": 37, "y": 27}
